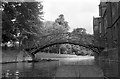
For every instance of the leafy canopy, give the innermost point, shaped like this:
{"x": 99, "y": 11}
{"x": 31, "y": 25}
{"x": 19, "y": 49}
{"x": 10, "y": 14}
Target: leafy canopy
{"x": 21, "y": 20}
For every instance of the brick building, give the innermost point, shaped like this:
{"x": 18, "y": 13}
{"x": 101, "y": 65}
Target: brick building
{"x": 107, "y": 29}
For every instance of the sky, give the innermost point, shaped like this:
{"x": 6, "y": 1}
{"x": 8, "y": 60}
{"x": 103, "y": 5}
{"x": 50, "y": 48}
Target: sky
{"x": 78, "y": 13}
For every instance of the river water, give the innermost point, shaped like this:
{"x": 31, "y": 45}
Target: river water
{"x": 62, "y": 67}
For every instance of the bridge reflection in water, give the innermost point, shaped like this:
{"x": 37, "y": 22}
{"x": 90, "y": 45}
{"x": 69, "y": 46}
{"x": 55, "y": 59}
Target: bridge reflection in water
{"x": 65, "y": 67}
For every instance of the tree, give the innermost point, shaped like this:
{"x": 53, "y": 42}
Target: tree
{"x": 66, "y": 48}
{"x": 79, "y": 31}
{"x": 59, "y": 26}
{"x": 61, "y": 21}
{"x": 85, "y": 37}
{"x": 21, "y": 20}
{"x": 51, "y": 27}
{"x": 54, "y": 30}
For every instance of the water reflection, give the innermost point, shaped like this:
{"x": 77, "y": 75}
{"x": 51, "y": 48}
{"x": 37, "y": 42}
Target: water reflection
{"x": 77, "y": 61}
{"x": 77, "y": 67}
{"x": 110, "y": 69}
{"x": 53, "y": 68}
{"x": 41, "y": 69}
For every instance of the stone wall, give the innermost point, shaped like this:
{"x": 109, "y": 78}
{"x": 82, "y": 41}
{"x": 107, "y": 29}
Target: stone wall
{"x": 110, "y": 31}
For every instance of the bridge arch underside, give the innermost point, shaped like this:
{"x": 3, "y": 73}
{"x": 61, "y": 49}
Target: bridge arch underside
{"x": 65, "y": 38}
{"x": 91, "y": 47}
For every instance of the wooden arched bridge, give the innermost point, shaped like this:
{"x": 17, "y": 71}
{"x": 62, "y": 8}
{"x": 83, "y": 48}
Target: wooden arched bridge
{"x": 45, "y": 41}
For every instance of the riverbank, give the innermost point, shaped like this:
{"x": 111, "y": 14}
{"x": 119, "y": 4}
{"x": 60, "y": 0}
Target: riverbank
{"x": 9, "y": 56}
{"x": 15, "y": 56}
